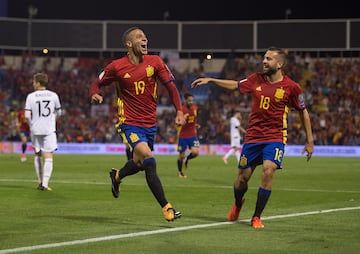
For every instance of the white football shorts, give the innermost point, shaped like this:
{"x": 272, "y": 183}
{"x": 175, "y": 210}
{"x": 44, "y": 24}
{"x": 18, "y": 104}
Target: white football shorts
{"x": 45, "y": 143}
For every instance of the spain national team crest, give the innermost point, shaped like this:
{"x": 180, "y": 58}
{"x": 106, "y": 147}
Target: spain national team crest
{"x": 149, "y": 71}
{"x": 279, "y": 94}
{"x": 134, "y": 137}
{"x": 243, "y": 161}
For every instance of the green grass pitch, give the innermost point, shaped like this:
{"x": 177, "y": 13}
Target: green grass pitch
{"x": 314, "y": 208}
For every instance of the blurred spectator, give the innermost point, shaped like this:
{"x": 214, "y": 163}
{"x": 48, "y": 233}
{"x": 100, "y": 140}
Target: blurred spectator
{"x": 331, "y": 88}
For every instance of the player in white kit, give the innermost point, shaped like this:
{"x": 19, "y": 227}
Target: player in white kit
{"x": 42, "y": 108}
{"x": 235, "y": 136}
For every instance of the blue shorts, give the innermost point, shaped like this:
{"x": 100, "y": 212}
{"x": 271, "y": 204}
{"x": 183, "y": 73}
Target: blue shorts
{"x": 25, "y": 133}
{"x": 132, "y": 135}
{"x": 253, "y": 155}
{"x": 187, "y": 143}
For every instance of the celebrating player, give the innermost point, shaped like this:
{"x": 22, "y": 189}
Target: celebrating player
{"x": 136, "y": 76}
{"x": 273, "y": 95}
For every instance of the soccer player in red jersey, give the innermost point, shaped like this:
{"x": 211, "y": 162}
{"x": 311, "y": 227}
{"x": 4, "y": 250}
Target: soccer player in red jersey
{"x": 24, "y": 132}
{"x": 187, "y": 134}
{"x": 136, "y": 76}
{"x": 273, "y": 95}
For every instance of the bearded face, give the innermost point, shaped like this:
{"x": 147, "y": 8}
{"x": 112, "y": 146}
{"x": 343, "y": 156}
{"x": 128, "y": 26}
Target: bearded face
{"x": 270, "y": 70}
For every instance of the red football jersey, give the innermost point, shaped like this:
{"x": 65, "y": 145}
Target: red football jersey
{"x": 21, "y": 121}
{"x": 136, "y": 86}
{"x": 271, "y": 103}
{"x": 188, "y": 130}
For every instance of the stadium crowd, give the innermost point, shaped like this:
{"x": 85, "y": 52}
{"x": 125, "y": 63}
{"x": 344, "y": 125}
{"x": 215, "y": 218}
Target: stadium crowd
{"x": 331, "y": 88}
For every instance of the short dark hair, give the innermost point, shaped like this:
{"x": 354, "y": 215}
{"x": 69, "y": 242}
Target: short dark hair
{"x": 126, "y": 33}
{"x": 280, "y": 52}
{"x": 234, "y": 111}
{"x": 187, "y": 95}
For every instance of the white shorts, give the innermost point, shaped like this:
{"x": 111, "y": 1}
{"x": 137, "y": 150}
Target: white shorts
{"x": 235, "y": 141}
{"x": 45, "y": 143}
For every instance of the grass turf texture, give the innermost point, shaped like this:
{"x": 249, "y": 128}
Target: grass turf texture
{"x": 81, "y": 207}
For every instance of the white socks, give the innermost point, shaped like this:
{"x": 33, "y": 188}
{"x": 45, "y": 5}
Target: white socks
{"x": 43, "y": 173}
{"x": 38, "y": 168}
{"x": 48, "y": 167}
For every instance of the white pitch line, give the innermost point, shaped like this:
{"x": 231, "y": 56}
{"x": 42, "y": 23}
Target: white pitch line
{"x": 160, "y": 231}
{"x": 187, "y": 186}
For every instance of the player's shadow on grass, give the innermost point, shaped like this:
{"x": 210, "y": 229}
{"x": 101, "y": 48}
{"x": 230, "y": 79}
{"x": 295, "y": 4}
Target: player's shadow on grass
{"x": 86, "y": 218}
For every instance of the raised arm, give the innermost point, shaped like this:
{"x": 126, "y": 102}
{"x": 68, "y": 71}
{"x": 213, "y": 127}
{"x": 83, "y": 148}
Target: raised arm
{"x": 224, "y": 83}
{"x": 106, "y": 78}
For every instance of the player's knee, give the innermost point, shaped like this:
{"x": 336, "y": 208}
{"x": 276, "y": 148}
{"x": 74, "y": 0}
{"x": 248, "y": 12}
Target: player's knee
{"x": 195, "y": 153}
{"x": 149, "y": 165}
{"x": 241, "y": 180}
